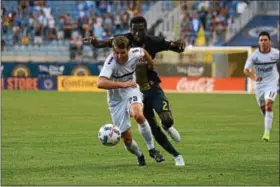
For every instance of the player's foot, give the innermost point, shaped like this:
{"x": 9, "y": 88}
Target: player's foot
{"x": 141, "y": 160}
{"x": 266, "y": 136}
{"x": 155, "y": 154}
{"x": 174, "y": 134}
{"x": 179, "y": 161}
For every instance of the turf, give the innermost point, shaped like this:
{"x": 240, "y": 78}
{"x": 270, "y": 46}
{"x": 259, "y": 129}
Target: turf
{"x": 50, "y": 138}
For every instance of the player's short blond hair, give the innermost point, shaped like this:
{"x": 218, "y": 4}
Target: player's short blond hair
{"x": 120, "y": 42}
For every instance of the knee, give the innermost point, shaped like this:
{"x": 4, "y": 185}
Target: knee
{"x": 166, "y": 119}
{"x": 268, "y": 106}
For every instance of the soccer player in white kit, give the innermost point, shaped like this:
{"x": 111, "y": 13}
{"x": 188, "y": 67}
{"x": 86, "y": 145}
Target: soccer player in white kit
{"x": 264, "y": 60}
{"x": 124, "y": 97}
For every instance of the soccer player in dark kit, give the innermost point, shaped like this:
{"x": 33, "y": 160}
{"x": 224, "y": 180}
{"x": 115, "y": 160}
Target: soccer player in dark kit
{"x": 149, "y": 82}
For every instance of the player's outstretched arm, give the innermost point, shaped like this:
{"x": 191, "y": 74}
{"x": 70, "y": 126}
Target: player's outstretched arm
{"x": 251, "y": 75}
{"x": 97, "y": 43}
{"x": 177, "y": 46}
{"x": 149, "y": 59}
{"x": 105, "y": 83}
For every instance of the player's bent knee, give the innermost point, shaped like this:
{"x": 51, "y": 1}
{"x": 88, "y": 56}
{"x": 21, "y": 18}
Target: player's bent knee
{"x": 166, "y": 119}
{"x": 139, "y": 117}
{"x": 268, "y": 105}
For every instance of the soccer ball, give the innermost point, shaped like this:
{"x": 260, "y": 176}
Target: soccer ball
{"x": 109, "y": 135}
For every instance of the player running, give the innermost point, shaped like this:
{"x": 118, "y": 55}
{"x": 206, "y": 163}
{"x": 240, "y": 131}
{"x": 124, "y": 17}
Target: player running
{"x": 124, "y": 97}
{"x": 154, "y": 97}
{"x": 264, "y": 60}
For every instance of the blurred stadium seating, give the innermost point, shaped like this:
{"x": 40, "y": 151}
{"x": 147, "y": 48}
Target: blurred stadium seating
{"x": 54, "y": 28}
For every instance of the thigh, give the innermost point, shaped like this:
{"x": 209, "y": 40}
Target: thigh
{"x": 120, "y": 116}
{"x": 260, "y": 97}
{"x": 160, "y": 101}
{"x": 135, "y": 96}
{"x": 270, "y": 94}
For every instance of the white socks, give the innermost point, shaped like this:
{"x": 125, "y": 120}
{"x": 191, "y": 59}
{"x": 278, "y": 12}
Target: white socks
{"x": 268, "y": 118}
{"x": 134, "y": 149}
{"x": 146, "y": 132}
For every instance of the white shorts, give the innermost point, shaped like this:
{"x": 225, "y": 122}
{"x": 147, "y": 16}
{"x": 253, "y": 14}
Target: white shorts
{"x": 120, "y": 112}
{"x": 264, "y": 94}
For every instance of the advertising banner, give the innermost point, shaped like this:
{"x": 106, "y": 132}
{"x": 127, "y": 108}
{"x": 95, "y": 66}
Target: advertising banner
{"x": 193, "y": 70}
{"x": 29, "y": 83}
{"x": 78, "y": 83}
{"x": 203, "y": 84}
{"x": 34, "y": 69}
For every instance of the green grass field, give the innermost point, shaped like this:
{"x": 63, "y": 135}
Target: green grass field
{"x": 50, "y": 138}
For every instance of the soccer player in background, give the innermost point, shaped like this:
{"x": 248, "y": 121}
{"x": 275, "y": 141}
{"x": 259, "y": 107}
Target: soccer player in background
{"x": 124, "y": 97}
{"x": 154, "y": 97}
{"x": 264, "y": 60}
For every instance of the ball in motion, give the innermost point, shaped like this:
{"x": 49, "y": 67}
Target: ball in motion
{"x": 109, "y": 135}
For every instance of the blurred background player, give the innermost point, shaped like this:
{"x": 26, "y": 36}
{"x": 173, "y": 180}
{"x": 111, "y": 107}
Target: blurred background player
{"x": 264, "y": 60}
{"x": 154, "y": 97}
{"x": 124, "y": 97}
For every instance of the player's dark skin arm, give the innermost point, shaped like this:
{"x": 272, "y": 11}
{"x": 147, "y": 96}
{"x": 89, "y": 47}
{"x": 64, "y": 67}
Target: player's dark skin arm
{"x": 177, "y": 46}
{"x": 98, "y": 43}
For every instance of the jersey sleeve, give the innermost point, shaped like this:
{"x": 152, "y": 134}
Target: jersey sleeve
{"x": 161, "y": 43}
{"x": 138, "y": 52}
{"x": 250, "y": 61}
{"x": 108, "y": 67}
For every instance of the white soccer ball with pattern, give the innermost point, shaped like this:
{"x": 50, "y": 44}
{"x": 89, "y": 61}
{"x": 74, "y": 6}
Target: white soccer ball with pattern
{"x": 109, "y": 135}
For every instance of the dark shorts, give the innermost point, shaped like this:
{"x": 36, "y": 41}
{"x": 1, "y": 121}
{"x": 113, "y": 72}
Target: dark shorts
{"x": 155, "y": 98}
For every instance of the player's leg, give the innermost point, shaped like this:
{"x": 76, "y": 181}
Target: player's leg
{"x": 162, "y": 107}
{"x": 269, "y": 97}
{"x": 136, "y": 111}
{"x": 156, "y": 130}
{"x": 121, "y": 118}
{"x": 261, "y": 101}
{"x": 132, "y": 146}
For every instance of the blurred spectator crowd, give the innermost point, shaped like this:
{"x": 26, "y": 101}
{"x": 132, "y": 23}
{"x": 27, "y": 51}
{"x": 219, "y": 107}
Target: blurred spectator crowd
{"x": 204, "y": 21}
{"x": 38, "y": 22}
{"x": 65, "y": 23}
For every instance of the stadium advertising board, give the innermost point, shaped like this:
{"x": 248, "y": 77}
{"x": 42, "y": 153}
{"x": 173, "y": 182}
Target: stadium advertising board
{"x": 28, "y": 83}
{"x": 193, "y": 70}
{"x": 36, "y": 69}
{"x": 248, "y": 36}
{"x": 203, "y": 84}
{"x": 78, "y": 83}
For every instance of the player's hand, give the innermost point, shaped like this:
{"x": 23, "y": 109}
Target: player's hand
{"x": 258, "y": 79}
{"x": 181, "y": 45}
{"x": 127, "y": 84}
{"x": 90, "y": 40}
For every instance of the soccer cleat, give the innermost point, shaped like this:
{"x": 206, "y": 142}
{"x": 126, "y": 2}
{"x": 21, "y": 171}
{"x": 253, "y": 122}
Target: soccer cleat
{"x": 266, "y": 136}
{"x": 141, "y": 160}
{"x": 155, "y": 154}
{"x": 179, "y": 161}
{"x": 174, "y": 134}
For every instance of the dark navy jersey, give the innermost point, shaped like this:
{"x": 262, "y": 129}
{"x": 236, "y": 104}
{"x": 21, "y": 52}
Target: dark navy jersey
{"x": 152, "y": 44}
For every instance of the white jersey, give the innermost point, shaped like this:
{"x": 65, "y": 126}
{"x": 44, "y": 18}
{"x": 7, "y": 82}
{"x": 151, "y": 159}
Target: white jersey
{"x": 121, "y": 73}
{"x": 265, "y": 66}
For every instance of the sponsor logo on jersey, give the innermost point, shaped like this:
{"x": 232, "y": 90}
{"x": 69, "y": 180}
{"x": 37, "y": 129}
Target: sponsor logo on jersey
{"x": 265, "y": 69}
{"x": 21, "y": 71}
